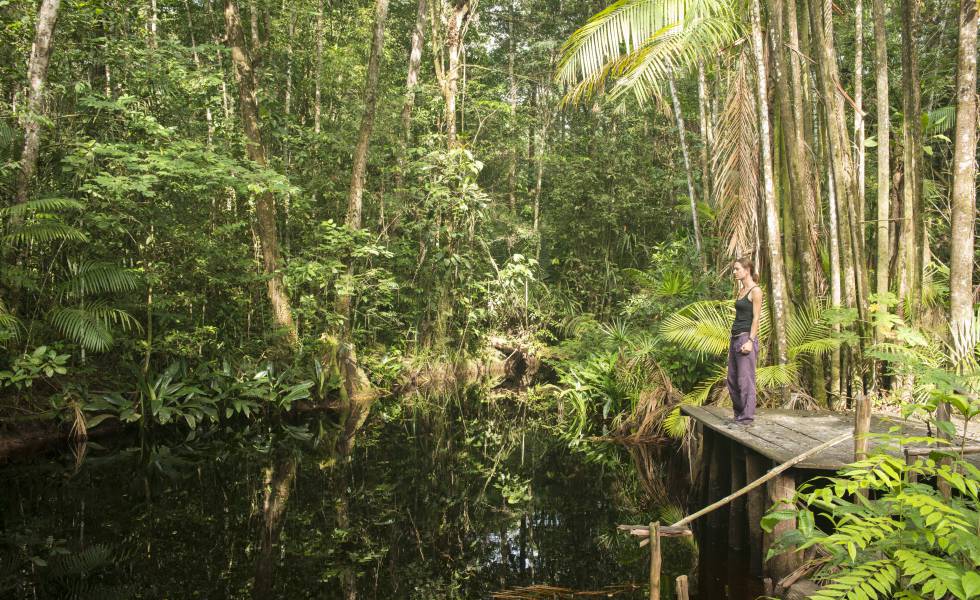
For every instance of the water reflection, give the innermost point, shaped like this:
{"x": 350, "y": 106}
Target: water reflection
{"x": 454, "y": 499}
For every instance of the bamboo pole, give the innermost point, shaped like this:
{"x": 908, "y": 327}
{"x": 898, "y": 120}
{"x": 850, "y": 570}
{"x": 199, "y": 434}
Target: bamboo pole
{"x": 654, "y": 541}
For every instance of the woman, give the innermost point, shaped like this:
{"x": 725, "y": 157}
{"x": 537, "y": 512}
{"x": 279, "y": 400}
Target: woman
{"x": 743, "y": 350}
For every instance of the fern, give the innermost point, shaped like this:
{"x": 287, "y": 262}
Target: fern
{"x": 93, "y": 277}
{"x": 872, "y": 580}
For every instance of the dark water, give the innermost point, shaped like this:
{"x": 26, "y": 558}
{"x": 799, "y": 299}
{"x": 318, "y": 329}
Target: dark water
{"x": 451, "y": 499}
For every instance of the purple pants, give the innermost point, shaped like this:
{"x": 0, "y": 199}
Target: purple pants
{"x": 741, "y": 377}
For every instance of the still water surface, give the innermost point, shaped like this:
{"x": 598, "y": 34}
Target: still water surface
{"x": 454, "y": 500}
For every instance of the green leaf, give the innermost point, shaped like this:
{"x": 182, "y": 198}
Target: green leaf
{"x": 971, "y": 584}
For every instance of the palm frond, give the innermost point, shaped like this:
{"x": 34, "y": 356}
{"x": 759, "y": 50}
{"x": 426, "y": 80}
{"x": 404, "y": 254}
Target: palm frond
{"x": 44, "y": 231}
{"x": 809, "y": 333}
{"x": 94, "y": 277}
{"x": 736, "y": 163}
{"x": 40, "y": 205}
{"x": 699, "y": 395}
{"x": 774, "y": 376}
{"x": 640, "y": 42}
{"x": 703, "y": 327}
{"x": 940, "y": 120}
{"x": 82, "y": 327}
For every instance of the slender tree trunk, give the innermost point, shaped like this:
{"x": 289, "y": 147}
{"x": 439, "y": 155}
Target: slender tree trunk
{"x": 225, "y": 101}
{"x": 414, "y": 65}
{"x": 197, "y": 64}
{"x": 318, "y": 65}
{"x": 692, "y": 194}
{"x": 37, "y": 78}
{"x": 909, "y": 241}
{"x": 458, "y": 22}
{"x": 859, "y": 115}
{"x": 778, "y": 292}
{"x": 884, "y": 141}
{"x": 356, "y": 195}
{"x": 707, "y": 136}
{"x": 354, "y": 199}
{"x": 265, "y": 208}
{"x": 964, "y": 191}
{"x": 512, "y": 101}
{"x": 153, "y": 24}
{"x": 835, "y": 274}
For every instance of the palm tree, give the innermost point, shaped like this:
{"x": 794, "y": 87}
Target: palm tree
{"x": 638, "y": 46}
{"x": 705, "y": 327}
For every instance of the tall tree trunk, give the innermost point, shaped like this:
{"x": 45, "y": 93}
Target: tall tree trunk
{"x": 842, "y": 167}
{"x": 414, "y": 64}
{"x": 797, "y": 160}
{"x": 318, "y": 65}
{"x": 964, "y": 191}
{"x": 807, "y": 215}
{"x": 884, "y": 140}
{"x": 692, "y": 194}
{"x": 909, "y": 241}
{"x": 778, "y": 292}
{"x": 37, "y": 77}
{"x": 265, "y": 207}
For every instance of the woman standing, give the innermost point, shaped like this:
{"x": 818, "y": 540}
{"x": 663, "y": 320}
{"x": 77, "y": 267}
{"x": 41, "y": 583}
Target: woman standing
{"x": 743, "y": 351}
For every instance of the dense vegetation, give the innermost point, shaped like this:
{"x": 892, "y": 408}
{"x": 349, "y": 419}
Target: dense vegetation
{"x": 219, "y": 213}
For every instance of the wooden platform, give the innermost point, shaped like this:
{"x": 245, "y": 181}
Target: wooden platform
{"x": 783, "y": 434}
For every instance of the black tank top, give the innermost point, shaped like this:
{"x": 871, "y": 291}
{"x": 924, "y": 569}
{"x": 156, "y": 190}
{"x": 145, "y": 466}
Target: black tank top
{"x": 743, "y": 314}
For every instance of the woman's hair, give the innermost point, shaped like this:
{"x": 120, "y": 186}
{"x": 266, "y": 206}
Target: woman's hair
{"x": 747, "y": 263}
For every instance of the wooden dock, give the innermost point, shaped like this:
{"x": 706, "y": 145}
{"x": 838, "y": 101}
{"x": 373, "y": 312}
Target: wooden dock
{"x": 779, "y": 434}
{"x": 732, "y": 545}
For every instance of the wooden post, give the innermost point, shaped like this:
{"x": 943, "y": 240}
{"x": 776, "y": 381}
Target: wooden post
{"x": 713, "y": 554}
{"x": 780, "y": 489}
{"x": 655, "y": 561}
{"x": 738, "y": 524}
{"x": 681, "y": 588}
{"x": 862, "y": 425}
{"x": 755, "y": 508}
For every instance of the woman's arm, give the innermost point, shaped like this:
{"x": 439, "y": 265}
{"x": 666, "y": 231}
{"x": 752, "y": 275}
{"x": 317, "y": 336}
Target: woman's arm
{"x": 756, "y": 297}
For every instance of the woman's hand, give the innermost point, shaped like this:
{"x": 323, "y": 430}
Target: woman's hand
{"x": 746, "y": 347}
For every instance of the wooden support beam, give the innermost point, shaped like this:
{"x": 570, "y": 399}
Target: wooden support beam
{"x": 681, "y": 587}
{"x": 665, "y": 531}
{"x": 655, "y": 561}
